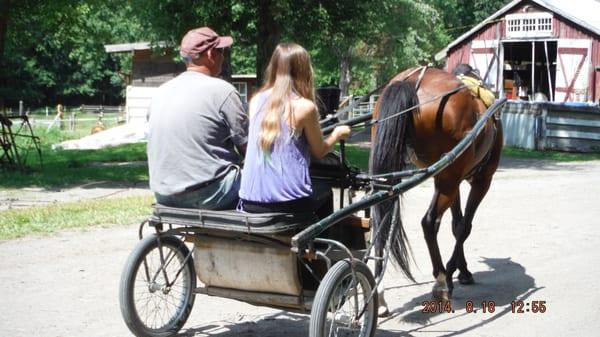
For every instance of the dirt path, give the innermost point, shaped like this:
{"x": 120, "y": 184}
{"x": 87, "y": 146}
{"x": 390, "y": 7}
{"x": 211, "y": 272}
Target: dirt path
{"x": 36, "y": 196}
{"x": 535, "y": 239}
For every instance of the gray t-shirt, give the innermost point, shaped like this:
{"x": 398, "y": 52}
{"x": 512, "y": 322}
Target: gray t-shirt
{"x": 195, "y": 120}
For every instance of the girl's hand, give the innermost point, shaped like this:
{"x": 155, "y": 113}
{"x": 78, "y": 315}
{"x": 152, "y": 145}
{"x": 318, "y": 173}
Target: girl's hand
{"x": 341, "y": 132}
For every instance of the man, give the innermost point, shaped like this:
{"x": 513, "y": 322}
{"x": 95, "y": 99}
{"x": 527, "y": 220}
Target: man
{"x": 198, "y": 130}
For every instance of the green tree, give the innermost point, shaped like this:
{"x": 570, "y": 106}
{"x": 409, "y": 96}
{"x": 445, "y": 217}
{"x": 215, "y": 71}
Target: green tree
{"x": 459, "y": 16}
{"x": 53, "y": 51}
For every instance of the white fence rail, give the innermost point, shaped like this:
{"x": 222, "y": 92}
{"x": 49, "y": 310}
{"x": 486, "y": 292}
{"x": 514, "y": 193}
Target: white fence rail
{"x": 361, "y": 109}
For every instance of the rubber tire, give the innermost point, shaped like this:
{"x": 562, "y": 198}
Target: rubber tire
{"x": 126, "y": 296}
{"x": 318, "y": 315}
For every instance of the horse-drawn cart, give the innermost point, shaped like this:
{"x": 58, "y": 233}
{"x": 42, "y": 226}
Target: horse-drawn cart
{"x": 292, "y": 261}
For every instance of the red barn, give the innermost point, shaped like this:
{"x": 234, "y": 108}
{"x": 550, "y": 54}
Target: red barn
{"x": 534, "y": 47}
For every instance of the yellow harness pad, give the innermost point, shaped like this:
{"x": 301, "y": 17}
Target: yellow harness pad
{"x": 478, "y": 90}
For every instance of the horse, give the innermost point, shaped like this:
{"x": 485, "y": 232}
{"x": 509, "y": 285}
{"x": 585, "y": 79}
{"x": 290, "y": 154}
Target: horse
{"x": 444, "y": 111}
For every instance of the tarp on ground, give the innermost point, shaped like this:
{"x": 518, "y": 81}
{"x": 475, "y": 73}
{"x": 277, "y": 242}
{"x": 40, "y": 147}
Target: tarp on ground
{"x": 124, "y": 134}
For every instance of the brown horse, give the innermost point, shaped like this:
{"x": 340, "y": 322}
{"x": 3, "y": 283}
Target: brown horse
{"x": 427, "y": 132}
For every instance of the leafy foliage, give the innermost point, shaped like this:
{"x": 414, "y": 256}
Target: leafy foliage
{"x": 53, "y": 50}
{"x": 459, "y": 16}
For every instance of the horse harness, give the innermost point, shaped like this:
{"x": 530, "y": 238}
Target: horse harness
{"x": 480, "y": 91}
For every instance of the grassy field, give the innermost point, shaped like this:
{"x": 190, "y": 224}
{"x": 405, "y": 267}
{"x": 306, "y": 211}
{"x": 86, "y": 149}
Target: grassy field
{"x": 41, "y": 220}
{"x": 549, "y": 155}
{"x": 67, "y": 167}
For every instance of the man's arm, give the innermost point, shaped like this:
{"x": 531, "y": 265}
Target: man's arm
{"x": 236, "y": 117}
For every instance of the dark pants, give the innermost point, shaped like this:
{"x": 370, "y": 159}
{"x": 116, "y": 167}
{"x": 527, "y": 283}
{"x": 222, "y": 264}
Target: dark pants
{"x": 320, "y": 202}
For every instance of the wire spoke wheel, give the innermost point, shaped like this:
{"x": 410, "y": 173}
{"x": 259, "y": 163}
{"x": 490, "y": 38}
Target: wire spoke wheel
{"x": 345, "y": 305}
{"x": 156, "y": 291}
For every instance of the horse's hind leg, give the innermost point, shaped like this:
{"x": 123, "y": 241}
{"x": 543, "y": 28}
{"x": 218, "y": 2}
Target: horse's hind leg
{"x": 480, "y": 185}
{"x": 457, "y": 219}
{"x": 442, "y": 199}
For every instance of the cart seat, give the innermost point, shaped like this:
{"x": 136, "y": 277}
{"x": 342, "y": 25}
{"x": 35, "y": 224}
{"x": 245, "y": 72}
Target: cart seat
{"x": 232, "y": 220}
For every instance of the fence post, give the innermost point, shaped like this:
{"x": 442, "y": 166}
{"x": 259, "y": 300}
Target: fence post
{"x": 542, "y": 144}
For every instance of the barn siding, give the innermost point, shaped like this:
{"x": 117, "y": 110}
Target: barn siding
{"x": 460, "y": 54}
{"x": 149, "y": 70}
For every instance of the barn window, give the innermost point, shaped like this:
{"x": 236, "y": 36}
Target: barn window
{"x": 535, "y": 24}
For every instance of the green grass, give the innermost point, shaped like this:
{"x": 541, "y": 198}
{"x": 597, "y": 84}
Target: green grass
{"x": 549, "y": 155}
{"x": 16, "y": 223}
{"x": 68, "y": 167}
{"x": 360, "y": 156}
{"x": 357, "y": 156}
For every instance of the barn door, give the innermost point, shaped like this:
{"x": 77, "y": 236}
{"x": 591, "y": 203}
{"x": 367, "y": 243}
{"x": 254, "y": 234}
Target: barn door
{"x": 572, "y": 70}
{"x": 484, "y": 57}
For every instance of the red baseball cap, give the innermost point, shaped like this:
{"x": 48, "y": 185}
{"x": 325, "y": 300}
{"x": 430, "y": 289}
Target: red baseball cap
{"x": 199, "y": 40}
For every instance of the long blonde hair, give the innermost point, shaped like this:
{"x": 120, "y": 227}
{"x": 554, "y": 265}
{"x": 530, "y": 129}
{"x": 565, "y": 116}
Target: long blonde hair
{"x": 289, "y": 73}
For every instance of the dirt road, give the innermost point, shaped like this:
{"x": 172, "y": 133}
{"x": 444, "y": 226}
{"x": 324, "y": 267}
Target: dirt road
{"x": 535, "y": 238}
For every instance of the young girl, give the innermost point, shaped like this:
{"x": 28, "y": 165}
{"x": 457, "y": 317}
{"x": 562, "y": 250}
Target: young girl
{"x": 284, "y": 132}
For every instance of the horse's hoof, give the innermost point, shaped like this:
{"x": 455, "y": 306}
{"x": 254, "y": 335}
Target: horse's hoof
{"x": 383, "y": 311}
{"x": 440, "y": 295}
{"x": 465, "y": 278}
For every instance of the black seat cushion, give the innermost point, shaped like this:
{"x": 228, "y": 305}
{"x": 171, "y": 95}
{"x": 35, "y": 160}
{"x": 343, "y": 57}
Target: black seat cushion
{"x": 231, "y": 220}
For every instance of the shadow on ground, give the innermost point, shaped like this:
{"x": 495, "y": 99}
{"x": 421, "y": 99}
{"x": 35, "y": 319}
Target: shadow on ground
{"x": 505, "y": 282}
{"x": 276, "y": 325}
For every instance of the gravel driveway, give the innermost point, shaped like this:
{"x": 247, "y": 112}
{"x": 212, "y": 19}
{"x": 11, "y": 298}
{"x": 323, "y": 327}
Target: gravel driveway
{"x": 535, "y": 238}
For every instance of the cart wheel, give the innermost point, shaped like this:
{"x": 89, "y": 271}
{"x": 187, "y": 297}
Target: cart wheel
{"x": 150, "y": 307}
{"x": 338, "y": 302}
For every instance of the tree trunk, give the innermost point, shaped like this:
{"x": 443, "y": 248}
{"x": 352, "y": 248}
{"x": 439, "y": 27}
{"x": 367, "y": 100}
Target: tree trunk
{"x": 222, "y": 23}
{"x": 345, "y": 71}
{"x": 4, "y": 10}
{"x": 269, "y": 35}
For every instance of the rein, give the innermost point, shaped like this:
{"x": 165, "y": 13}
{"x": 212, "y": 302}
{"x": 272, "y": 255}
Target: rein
{"x": 354, "y": 104}
{"x": 351, "y": 106}
{"x": 366, "y": 120}
{"x": 435, "y": 98}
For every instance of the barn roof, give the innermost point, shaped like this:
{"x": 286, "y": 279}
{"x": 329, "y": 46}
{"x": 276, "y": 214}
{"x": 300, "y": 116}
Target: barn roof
{"x": 125, "y": 47}
{"x": 581, "y": 12}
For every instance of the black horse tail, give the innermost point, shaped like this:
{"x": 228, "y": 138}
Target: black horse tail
{"x": 388, "y": 155}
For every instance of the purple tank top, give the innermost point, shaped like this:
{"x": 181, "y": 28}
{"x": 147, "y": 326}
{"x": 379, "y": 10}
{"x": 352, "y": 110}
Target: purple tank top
{"x": 283, "y": 174}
